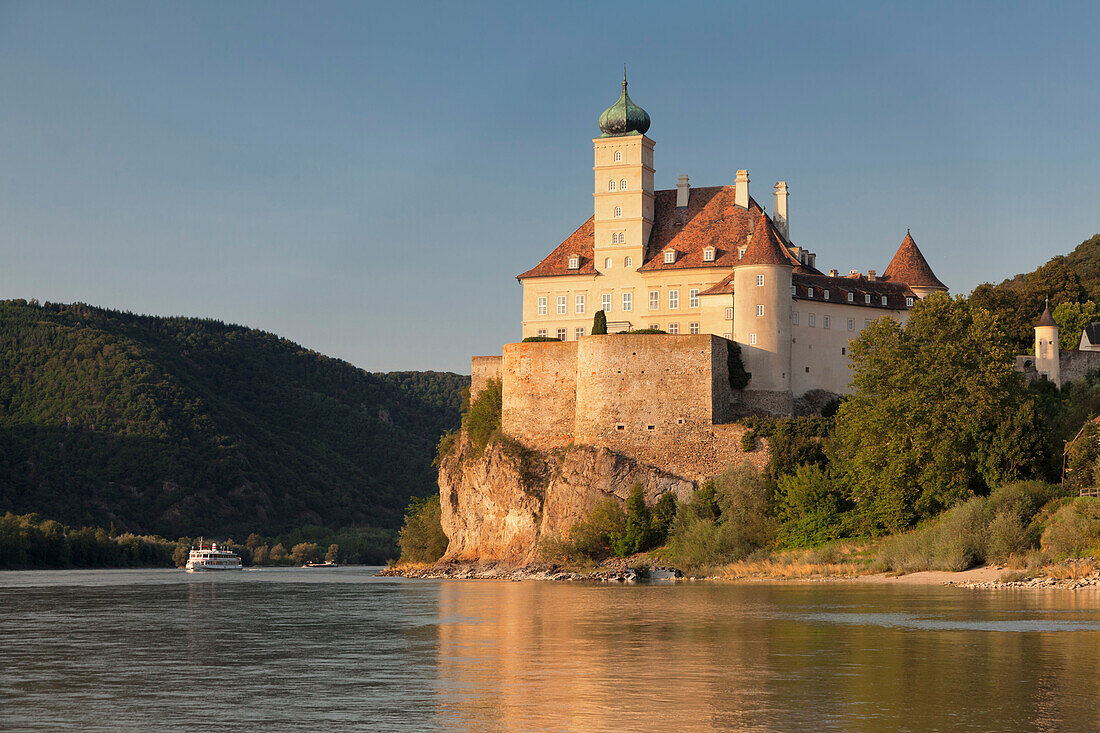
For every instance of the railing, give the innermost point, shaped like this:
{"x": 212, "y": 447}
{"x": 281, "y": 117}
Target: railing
{"x": 1094, "y": 491}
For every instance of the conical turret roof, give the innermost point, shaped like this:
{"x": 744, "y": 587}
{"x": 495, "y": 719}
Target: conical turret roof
{"x": 1046, "y": 319}
{"x": 764, "y": 248}
{"x": 624, "y": 117}
{"x": 910, "y": 267}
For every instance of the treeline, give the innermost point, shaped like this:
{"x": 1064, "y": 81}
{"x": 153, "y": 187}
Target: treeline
{"x": 182, "y": 426}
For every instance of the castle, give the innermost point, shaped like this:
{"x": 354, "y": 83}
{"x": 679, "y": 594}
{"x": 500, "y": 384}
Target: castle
{"x": 710, "y": 268}
{"x": 1057, "y": 364}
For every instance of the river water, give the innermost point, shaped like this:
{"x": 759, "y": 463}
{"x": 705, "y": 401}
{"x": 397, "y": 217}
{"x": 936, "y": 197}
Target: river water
{"x": 331, "y": 650}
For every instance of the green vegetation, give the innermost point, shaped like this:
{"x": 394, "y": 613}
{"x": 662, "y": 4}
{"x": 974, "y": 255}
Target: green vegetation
{"x": 30, "y": 542}
{"x": 599, "y": 324}
{"x": 645, "y": 331}
{"x": 182, "y": 426}
{"x": 483, "y": 419}
{"x": 539, "y": 339}
{"x": 422, "y": 539}
{"x": 614, "y": 530}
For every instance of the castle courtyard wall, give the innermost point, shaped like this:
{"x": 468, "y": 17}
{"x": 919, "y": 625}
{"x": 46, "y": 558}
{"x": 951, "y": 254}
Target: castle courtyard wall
{"x": 540, "y": 392}
{"x": 1074, "y": 365}
{"x": 482, "y": 369}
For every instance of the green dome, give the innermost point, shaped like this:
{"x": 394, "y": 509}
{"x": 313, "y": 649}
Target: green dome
{"x": 624, "y": 117}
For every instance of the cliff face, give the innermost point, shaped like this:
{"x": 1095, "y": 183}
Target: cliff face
{"x": 497, "y": 505}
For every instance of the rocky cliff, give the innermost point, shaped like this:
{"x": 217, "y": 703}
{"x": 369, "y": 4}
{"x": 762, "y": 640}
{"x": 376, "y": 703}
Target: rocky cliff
{"x": 497, "y": 505}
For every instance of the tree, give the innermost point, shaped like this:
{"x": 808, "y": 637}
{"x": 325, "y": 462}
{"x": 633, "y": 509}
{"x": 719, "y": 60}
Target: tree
{"x": 937, "y": 414}
{"x": 1072, "y": 319}
{"x": 277, "y": 556}
{"x": 422, "y": 539}
{"x": 333, "y": 553}
{"x": 304, "y": 552}
{"x": 599, "y": 324}
{"x": 739, "y": 378}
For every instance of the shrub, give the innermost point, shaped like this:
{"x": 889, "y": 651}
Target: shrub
{"x": 748, "y": 441}
{"x": 484, "y": 416}
{"x": 644, "y": 330}
{"x": 539, "y": 339}
{"x": 1074, "y": 530}
{"x": 304, "y": 552}
{"x": 591, "y": 537}
{"x": 421, "y": 537}
{"x": 599, "y": 324}
{"x": 811, "y": 508}
{"x": 739, "y": 378}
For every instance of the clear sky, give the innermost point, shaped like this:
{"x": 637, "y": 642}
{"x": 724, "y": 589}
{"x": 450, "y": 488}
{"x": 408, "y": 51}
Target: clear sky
{"x": 367, "y": 179}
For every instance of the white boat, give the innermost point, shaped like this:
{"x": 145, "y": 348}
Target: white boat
{"x": 209, "y": 557}
{"x": 326, "y": 564}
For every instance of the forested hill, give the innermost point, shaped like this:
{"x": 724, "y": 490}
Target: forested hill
{"x": 1071, "y": 281}
{"x": 184, "y": 426}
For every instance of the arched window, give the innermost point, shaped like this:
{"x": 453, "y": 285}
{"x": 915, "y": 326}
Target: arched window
{"x": 628, "y": 262}
{"x": 610, "y": 185}
{"x": 622, "y": 185}
{"x": 607, "y": 264}
{"x": 618, "y": 156}
{"x": 618, "y": 211}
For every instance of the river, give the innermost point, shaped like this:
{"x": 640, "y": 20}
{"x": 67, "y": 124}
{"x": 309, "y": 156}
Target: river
{"x": 331, "y": 650}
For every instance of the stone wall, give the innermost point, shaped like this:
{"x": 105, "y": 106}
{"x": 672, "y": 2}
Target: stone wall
{"x": 1074, "y": 365}
{"x": 482, "y": 369}
{"x": 540, "y": 392}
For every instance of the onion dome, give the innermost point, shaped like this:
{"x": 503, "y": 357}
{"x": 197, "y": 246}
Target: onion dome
{"x": 624, "y": 117}
{"x": 910, "y": 267}
{"x": 1046, "y": 319}
{"x": 764, "y": 248}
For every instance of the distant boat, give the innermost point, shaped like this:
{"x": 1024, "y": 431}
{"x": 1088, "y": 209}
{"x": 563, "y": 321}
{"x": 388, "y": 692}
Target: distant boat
{"x": 327, "y": 564}
{"x": 209, "y": 557}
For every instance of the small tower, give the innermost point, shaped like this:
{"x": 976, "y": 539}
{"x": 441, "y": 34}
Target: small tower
{"x": 909, "y": 266}
{"x": 762, "y": 317}
{"x": 1047, "y": 358}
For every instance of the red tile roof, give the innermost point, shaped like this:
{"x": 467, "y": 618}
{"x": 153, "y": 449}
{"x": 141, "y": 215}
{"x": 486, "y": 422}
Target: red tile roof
{"x": 910, "y": 267}
{"x": 838, "y": 287}
{"x": 1046, "y": 319}
{"x": 578, "y": 243}
{"x": 764, "y": 247}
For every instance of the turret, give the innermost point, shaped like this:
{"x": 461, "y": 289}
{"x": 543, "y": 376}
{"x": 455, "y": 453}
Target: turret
{"x": 762, "y": 314}
{"x": 909, "y": 267}
{"x": 1047, "y": 358}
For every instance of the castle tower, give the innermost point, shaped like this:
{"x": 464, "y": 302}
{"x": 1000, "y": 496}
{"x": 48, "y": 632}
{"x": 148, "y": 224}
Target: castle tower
{"x": 909, "y": 266}
{"x": 762, "y": 317}
{"x": 1047, "y": 358}
{"x": 623, "y": 192}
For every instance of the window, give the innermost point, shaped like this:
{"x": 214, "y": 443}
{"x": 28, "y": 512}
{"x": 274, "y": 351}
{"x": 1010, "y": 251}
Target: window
{"x": 809, "y": 292}
{"x": 729, "y": 314}
{"x": 867, "y": 298}
{"x": 794, "y": 290}
{"x": 759, "y": 281}
{"x": 670, "y": 256}
{"x": 708, "y": 254}
{"x": 825, "y": 322}
{"x": 825, "y": 295}
{"x": 908, "y": 302}
{"x": 578, "y": 332}
{"x": 674, "y": 328}
{"x": 628, "y": 301}
{"x": 610, "y": 185}
{"x": 884, "y": 300}
{"x": 740, "y": 252}
{"x": 561, "y": 305}
{"x": 628, "y": 262}
{"x": 578, "y": 304}
{"x": 693, "y": 298}
{"x": 654, "y": 300}
{"x": 561, "y": 334}
{"x": 794, "y": 318}
{"x": 673, "y": 299}
{"x": 614, "y": 237}
{"x": 810, "y": 323}
{"x": 618, "y": 155}
{"x": 607, "y": 263}
{"x": 618, "y": 211}
{"x": 542, "y": 306}
{"x": 541, "y": 332}
{"x": 655, "y": 326}
{"x": 866, "y": 322}
{"x": 851, "y": 324}
{"x": 752, "y": 338}
{"x": 622, "y": 185}
{"x": 759, "y": 311}
{"x": 693, "y": 328}
{"x": 843, "y": 350}
{"x": 574, "y": 262}
{"x": 727, "y": 335}
{"x": 851, "y": 297}
{"x": 606, "y": 302}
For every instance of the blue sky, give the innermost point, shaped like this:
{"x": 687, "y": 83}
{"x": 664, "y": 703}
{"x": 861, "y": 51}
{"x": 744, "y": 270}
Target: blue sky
{"x": 368, "y": 179}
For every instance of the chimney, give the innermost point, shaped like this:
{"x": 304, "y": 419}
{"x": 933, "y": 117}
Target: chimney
{"x": 853, "y": 273}
{"x": 683, "y": 188}
{"x": 779, "y": 213}
{"x": 871, "y": 275}
{"x": 834, "y": 273}
{"x": 741, "y": 197}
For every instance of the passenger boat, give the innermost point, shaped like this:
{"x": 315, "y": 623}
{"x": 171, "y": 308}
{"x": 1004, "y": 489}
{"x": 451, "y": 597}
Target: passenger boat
{"x": 326, "y": 564}
{"x": 209, "y": 557}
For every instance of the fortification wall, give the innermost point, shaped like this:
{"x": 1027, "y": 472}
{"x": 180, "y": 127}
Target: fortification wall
{"x": 540, "y": 392}
{"x": 1074, "y": 365}
{"x": 482, "y": 369}
{"x": 633, "y": 390}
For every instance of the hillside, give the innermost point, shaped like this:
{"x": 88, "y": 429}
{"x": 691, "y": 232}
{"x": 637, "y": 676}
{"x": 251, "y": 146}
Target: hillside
{"x": 183, "y": 426}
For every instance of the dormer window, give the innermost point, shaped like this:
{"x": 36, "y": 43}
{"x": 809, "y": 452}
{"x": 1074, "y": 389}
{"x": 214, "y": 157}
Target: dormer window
{"x": 622, "y": 185}
{"x": 574, "y": 262}
{"x": 884, "y": 300}
{"x": 618, "y": 156}
{"x": 670, "y": 256}
{"x": 708, "y": 254}
{"x": 740, "y": 252}
{"x": 851, "y": 297}
{"x": 825, "y": 295}
{"x": 908, "y": 301}
{"x": 618, "y": 211}
{"x": 610, "y": 185}
{"x": 809, "y": 292}
{"x": 794, "y": 291}
{"x": 867, "y": 299}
